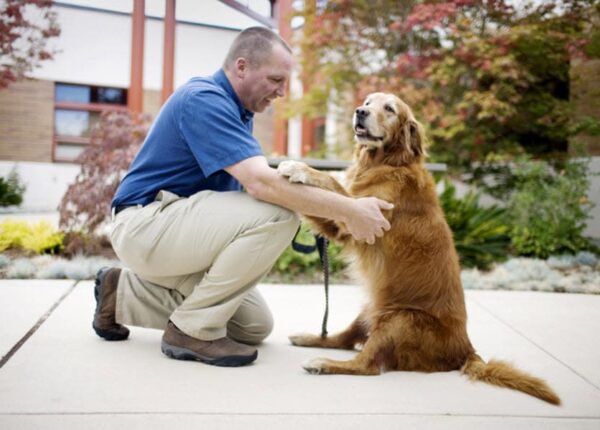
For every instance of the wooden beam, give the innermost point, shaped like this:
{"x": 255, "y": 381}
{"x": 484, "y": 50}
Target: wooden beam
{"x": 328, "y": 164}
{"x": 92, "y": 107}
{"x": 308, "y": 135}
{"x": 283, "y": 9}
{"x": 283, "y": 15}
{"x": 308, "y": 72}
{"x": 168, "y": 50}
{"x": 135, "y": 96}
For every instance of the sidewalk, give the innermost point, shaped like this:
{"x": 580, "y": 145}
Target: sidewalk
{"x": 64, "y": 376}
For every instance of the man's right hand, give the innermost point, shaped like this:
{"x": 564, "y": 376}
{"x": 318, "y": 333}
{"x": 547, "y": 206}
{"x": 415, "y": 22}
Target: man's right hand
{"x": 368, "y": 223}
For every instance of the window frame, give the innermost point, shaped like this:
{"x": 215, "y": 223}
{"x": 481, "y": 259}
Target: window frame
{"x": 76, "y": 106}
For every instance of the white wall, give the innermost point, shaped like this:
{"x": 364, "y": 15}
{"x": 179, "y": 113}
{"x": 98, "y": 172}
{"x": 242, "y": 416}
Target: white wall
{"x": 295, "y": 124}
{"x": 46, "y": 183}
{"x": 95, "y": 48}
{"x": 199, "y": 51}
{"x": 593, "y": 227}
{"x": 593, "y": 224}
{"x": 212, "y": 12}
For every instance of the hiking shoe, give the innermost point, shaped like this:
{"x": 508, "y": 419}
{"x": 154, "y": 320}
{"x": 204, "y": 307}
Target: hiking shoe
{"x": 220, "y": 352}
{"x": 105, "y": 292}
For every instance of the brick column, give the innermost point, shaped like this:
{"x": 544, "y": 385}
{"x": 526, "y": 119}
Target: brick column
{"x": 169, "y": 50}
{"x": 283, "y": 14}
{"x": 136, "y": 93}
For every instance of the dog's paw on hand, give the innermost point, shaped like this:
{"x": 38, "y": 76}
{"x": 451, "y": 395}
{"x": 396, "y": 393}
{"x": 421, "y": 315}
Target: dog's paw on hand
{"x": 316, "y": 366}
{"x": 295, "y": 171}
{"x": 304, "y": 339}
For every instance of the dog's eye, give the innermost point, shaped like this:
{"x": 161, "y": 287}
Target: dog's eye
{"x": 389, "y": 109}
{"x": 367, "y": 103}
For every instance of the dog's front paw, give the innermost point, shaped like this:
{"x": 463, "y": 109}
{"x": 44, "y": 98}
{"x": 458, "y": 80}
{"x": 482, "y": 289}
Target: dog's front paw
{"x": 316, "y": 366}
{"x": 305, "y": 339}
{"x": 295, "y": 171}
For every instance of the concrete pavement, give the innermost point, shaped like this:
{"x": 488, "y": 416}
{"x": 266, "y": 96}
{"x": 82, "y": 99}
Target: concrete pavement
{"x": 58, "y": 374}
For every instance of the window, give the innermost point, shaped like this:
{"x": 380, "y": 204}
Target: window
{"x": 77, "y": 110}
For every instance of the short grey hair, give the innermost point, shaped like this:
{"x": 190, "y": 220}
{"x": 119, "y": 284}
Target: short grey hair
{"x": 255, "y": 44}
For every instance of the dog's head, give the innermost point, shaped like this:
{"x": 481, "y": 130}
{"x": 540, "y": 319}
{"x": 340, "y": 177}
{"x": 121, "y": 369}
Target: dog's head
{"x": 385, "y": 122}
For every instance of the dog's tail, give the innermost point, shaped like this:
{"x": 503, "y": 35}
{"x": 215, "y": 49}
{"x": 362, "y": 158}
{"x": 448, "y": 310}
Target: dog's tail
{"x": 504, "y": 375}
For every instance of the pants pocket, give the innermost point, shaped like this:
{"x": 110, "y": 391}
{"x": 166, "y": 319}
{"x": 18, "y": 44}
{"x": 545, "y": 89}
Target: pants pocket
{"x": 166, "y": 198}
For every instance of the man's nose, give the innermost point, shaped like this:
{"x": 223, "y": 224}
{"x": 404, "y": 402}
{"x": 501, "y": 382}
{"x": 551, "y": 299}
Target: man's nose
{"x": 281, "y": 89}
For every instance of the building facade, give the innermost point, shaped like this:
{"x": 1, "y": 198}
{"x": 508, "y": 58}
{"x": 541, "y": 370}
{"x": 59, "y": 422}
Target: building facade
{"x": 46, "y": 119}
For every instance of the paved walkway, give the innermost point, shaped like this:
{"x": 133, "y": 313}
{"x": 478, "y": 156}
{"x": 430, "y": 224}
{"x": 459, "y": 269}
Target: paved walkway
{"x": 57, "y": 374}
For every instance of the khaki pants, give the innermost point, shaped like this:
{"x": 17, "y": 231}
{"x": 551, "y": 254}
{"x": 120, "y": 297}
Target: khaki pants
{"x": 196, "y": 260}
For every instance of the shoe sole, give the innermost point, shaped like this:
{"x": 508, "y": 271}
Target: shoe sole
{"x": 178, "y": 353}
{"x": 109, "y": 334}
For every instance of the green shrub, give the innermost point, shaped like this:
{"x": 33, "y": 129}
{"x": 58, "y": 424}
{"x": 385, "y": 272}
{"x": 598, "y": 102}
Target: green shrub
{"x": 40, "y": 238}
{"x": 4, "y": 261}
{"x": 11, "y": 189}
{"x": 480, "y": 233}
{"x": 43, "y": 239}
{"x": 549, "y": 208}
{"x": 21, "y": 268}
{"x": 12, "y": 234}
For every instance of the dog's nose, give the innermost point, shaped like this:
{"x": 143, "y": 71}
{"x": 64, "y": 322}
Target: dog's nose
{"x": 361, "y": 113}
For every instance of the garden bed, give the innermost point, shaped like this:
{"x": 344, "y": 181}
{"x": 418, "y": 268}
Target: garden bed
{"x": 565, "y": 274}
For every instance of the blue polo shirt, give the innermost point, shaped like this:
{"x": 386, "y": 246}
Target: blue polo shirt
{"x": 201, "y": 129}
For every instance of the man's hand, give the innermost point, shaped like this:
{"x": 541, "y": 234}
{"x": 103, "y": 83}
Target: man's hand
{"x": 368, "y": 223}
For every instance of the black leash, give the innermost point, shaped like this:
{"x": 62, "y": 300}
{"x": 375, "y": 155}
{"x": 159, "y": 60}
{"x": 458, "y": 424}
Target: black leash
{"x": 321, "y": 245}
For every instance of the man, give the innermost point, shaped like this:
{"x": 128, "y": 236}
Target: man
{"x": 194, "y": 245}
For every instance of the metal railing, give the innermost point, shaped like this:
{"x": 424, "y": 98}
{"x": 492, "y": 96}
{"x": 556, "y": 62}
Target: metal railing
{"x": 326, "y": 164}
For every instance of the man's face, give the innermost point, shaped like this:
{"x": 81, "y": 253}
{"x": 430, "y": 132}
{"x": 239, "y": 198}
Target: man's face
{"x": 260, "y": 86}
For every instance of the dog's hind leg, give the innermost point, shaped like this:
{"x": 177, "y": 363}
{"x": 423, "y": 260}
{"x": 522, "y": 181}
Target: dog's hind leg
{"x": 356, "y": 333}
{"x": 393, "y": 344}
{"x": 377, "y": 354}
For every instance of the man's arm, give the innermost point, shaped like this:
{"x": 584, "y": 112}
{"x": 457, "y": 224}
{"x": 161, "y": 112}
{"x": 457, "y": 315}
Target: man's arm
{"x": 362, "y": 216}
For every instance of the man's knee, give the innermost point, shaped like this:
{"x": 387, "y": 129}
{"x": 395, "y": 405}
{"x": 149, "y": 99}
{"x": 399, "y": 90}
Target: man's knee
{"x": 251, "y": 333}
{"x": 281, "y": 214}
{"x": 288, "y": 222}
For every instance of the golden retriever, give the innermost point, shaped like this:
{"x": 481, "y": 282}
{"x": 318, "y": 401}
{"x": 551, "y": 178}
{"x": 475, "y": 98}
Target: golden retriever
{"x": 416, "y": 318}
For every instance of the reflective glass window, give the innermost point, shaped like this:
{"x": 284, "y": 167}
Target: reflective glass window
{"x": 72, "y": 93}
{"x": 74, "y": 122}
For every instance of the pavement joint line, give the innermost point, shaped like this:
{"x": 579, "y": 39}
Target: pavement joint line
{"x": 36, "y": 326}
{"x": 301, "y": 414}
{"x": 523, "y": 335}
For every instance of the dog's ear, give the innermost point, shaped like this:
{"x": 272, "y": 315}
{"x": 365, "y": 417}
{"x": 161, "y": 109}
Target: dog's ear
{"x": 414, "y": 138}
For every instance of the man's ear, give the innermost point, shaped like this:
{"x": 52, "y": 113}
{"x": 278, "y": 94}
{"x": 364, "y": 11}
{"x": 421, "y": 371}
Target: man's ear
{"x": 241, "y": 67}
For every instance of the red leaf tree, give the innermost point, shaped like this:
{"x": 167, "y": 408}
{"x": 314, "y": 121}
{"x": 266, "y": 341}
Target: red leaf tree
{"x": 85, "y": 207}
{"x": 490, "y": 81}
{"x": 25, "y": 27}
